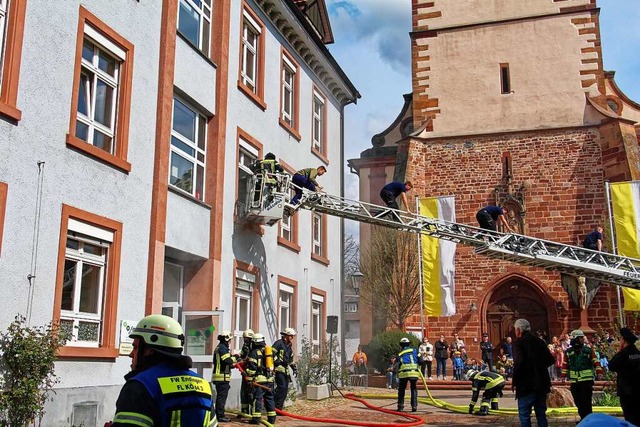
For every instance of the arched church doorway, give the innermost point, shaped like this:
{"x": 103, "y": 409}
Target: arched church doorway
{"x": 514, "y": 298}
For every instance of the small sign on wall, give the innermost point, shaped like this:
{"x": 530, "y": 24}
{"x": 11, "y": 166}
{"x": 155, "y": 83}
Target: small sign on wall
{"x": 126, "y": 343}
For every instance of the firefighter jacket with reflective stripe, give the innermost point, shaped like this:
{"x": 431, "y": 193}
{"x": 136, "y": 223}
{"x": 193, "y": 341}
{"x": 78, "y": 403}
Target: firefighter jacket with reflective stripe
{"x": 579, "y": 364}
{"x": 485, "y": 381}
{"x": 408, "y": 363}
{"x": 282, "y": 356}
{"x": 256, "y": 370}
{"x": 178, "y": 396}
{"x": 222, "y": 363}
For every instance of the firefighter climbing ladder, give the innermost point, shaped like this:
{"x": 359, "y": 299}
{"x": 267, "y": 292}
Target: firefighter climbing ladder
{"x": 520, "y": 249}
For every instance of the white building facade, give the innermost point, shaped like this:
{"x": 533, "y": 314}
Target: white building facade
{"x": 125, "y": 128}
{"x": 287, "y": 97}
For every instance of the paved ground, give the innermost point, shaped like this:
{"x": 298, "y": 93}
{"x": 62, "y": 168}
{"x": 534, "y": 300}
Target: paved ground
{"x": 340, "y": 408}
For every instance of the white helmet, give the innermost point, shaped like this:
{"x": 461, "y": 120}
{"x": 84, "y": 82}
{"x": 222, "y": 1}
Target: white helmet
{"x": 258, "y": 339}
{"x": 225, "y": 336}
{"x": 471, "y": 374}
{"x": 576, "y": 333}
{"x": 289, "y": 331}
{"x": 247, "y": 334}
{"x": 405, "y": 340}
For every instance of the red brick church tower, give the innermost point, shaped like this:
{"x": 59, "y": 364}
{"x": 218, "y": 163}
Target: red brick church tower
{"x": 510, "y": 106}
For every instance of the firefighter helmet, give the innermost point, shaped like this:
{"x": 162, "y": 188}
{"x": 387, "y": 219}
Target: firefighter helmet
{"x": 258, "y": 339}
{"x": 161, "y": 332}
{"x": 471, "y": 374}
{"x": 225, "y": 336}
{"x": 404, "y": 341}
{"x": 576, "y": 333}
{"x": 248, "y": 333}
{"x": 289, "y": 331}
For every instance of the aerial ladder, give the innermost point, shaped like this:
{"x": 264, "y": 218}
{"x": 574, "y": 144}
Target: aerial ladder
{"x": 517, "y": 248}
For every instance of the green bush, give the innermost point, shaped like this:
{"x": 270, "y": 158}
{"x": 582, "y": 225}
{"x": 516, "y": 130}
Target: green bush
{"x": 314, "y": 368}
{"x": 607, "y": 399}
{"x": 27, "y": 356}
{"x": 383, "y": 346}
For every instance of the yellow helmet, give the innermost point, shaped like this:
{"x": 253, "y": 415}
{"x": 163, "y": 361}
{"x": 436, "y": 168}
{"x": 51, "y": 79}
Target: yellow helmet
{"x": 160, "y": 331}
{"x": 247, "y": 334}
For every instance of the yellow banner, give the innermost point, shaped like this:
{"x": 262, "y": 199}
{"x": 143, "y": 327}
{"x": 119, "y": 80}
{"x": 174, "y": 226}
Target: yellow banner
{"x": 438, "y": 260}
{"x": 625, "y": 198}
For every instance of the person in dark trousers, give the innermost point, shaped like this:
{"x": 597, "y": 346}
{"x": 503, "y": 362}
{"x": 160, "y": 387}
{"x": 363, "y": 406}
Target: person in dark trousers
{"x": 626, "y": 363}
{"x": 442, "y": 354}
{"x": 491, "y": 383}
{"x": 282, "y": 359}
{"x": 486, "y": 347}
{"x": 392, "y": 190}
{"x": 261, "y": 381}
{"x": 407, "y": 373}
{"x": 306, "y": 178}
{"x": 247, "y": 337}
{"x": 582, "y": 366}
{"x": 489, "y": 216}
{"x": 223, "y": 362}
{"x": 530, "y": 375}
{"x": 593, "y": 240}
{"x": 161, "y": 390}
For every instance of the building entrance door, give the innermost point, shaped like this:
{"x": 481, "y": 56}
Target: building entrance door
{"x": 512, "y": 300}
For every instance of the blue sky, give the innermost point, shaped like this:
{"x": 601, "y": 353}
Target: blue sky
{"x": 372, "y": 46}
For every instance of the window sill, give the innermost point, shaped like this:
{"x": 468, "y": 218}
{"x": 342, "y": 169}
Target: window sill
{"x": 290, "y": 129}
{"x": 10, "y": 111}
{"x": 252, "y": 96}
{"x": 99, "y": 154}
{"x": 321, "y": 156}
{"x": 288, "y": 244}
{"x": 194, "y": 47}
{"x": 318, "y": 258}
{"x": 88, "y": 353}
{"x": 188, "y": 196}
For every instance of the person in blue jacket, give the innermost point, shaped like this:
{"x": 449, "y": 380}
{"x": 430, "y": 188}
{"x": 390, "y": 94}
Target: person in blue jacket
{"x": 392, "y": 190}
{"x": 161, "y": 390}
{"x": 489, "y": 216}
{"x": 407, "y": 373}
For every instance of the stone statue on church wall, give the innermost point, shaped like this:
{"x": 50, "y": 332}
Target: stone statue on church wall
{"x": 580, "y": 289}
{"x": 582, "y": 292}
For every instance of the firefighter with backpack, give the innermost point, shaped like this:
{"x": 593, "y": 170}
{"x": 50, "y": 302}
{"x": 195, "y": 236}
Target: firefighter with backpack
{"x": 259, "y": 376}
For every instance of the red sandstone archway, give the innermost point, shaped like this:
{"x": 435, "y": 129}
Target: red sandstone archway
{"x": 512, "y": 297}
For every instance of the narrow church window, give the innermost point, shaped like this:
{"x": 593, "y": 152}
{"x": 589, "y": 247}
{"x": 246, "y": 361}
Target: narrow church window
{"x": 505, "y": 82}
{"x": 506, "y": 165}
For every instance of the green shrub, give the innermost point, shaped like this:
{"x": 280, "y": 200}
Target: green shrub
{"x": 607, "y": 399}
{"x": 27, "y": 356}
{"x": 314, "y": 368}
{"x": 383, "y": 346}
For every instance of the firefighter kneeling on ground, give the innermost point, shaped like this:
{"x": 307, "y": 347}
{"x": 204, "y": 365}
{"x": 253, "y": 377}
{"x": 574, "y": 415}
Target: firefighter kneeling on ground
{"x": 259, "y": 376}
{"x": 492, "y": 384}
